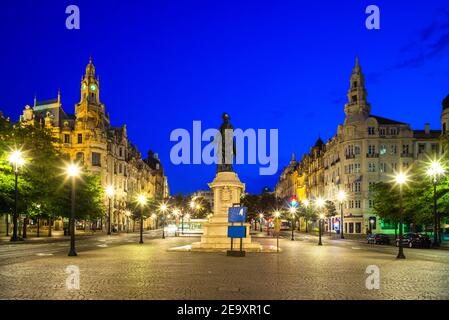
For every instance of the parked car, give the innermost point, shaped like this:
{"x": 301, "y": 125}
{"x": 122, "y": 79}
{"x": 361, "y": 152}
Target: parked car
{"x": 415, "y": 240}
{"x": 378, "y": 238}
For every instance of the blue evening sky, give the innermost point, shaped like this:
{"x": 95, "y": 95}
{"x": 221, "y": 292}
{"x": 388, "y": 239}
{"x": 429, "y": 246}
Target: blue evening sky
{"x": 269, "y": 64}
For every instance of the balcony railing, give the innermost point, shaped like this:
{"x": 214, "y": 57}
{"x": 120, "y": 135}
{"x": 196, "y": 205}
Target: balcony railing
{"x": 350, "y": 156}
{"x": 406, "y": 155}
{"x": 372, "y": 155}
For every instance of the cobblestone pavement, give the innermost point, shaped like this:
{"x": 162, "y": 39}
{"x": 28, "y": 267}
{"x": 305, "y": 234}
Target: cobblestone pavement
{"x": 303, "y": 270}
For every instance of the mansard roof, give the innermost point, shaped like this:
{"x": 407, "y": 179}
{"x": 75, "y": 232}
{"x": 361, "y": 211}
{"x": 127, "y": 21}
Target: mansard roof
{"x": 46, "y": 102}
{"x": 319, "y": 143}
{"x": 382, "y": 120}
{"x": 421, "y": 134}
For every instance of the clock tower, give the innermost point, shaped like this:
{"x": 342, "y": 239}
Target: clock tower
{"x": 90, "y": 109}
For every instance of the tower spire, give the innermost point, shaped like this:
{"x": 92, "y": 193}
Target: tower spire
{"x": 357, "y": 107}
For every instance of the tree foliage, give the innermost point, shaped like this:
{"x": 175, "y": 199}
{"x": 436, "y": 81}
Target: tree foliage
{"x": 42, "y": 188}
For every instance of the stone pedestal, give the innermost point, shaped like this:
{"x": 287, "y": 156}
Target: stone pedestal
{"x": 227, "y": 190}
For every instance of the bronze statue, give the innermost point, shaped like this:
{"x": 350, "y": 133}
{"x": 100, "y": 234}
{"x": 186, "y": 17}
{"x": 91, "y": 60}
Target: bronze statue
{"x": 226, "y": 151}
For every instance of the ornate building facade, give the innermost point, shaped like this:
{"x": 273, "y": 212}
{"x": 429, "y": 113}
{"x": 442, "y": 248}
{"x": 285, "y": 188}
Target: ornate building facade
{"x": 88, "y": 138}
{"x": 366, "y": 149}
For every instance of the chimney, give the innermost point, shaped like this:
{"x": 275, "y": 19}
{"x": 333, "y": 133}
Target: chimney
{"x": 427, "y": 128}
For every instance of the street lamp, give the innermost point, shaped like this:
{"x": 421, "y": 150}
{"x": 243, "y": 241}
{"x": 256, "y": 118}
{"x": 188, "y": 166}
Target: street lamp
{"x": 110, "y": 194}
{"x": 320, "y": 204}
{"x": 16, "y": 160}
{"x": 435, "y": 171}
{"x": 341, "y": 197}
{"x": 400, "y": 178}
{"x": 371, "y": 225}
{"x": 277, "y": 215}
{"x": 72, "y": 171}
{"x": 293, "y": 213}
{"x": 127, "y": 214}
{"x": 142, "y": 200}
{"x": 306, "y": 204}
{"x": 175, "y": 217}
{"x": 154, "y": 220}
{"x": 163, "y": 209}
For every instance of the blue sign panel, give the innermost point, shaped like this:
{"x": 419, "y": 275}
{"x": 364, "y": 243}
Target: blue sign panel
{"x": 236, "y": 232}
{"x": 237, "y": 214}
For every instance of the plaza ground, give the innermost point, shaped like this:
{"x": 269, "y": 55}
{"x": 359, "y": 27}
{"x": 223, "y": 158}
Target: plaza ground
{"x": 117, "y": 267}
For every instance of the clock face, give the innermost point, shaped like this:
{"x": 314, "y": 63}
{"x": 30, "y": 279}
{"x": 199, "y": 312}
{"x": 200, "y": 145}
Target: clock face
{"x": 93, "y": 87}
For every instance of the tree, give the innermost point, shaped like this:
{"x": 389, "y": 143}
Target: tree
{"x": 308, "y": 213}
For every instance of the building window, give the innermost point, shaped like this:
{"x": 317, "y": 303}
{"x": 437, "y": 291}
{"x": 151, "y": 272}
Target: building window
{"x": 393, "y": 149}
{"x": 80, "y": 157}
{"x": 435, "y": 148}
{"x": 371, "y": 167}
{"x": 383, "y": 149}
{"x": 405, "y": 149}
{"x": 357, "y": 168}
{"x": 421, "y": 148}
{"x": 394, "y": 166}
{"x": 351, "y": 227}
{"x": 393, "y": 131}
{"x": 382, "y": 131}
{"x": 354, "y": 99}
{"x": 371, "y": 149}
{"x": 358, "y": 227}
{"x": 371, "y": 131}
{"x": 96, "y": 159}
{"x": 66, "y": 138}
{"x": 120, "y": 151}
{"x": 357, "y": 204}
{"x": 120, "y": 168}
{"x": 80, "y": 138}
{"x": 383, "y": 167}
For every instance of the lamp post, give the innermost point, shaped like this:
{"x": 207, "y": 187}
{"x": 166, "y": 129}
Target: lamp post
{"x": 175, "y": 217}
{"x": 260, "y": 221}
{"x": 127, "y": 214}
{"x": 293, "y": 213}
{"x": 306, "y": 204}
{"x": 435, "y": 171}
{"x": 72, "y": 171}
{"x": 163, "y": 209}
{"x": 320, "y": 204}
{"x": 110, "y": 194}
{"x": 277, "y": 216}
{"x": 401, "y": 178}
{"x": 16, "y": 160}
{"x": 371, "y": 225}
{"x": 142, "y": 200}
{"x": 341, "y": 197}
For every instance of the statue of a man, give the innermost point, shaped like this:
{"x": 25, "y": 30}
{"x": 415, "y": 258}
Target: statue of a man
{"x": 226, "y": 147}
